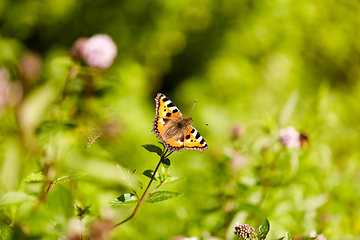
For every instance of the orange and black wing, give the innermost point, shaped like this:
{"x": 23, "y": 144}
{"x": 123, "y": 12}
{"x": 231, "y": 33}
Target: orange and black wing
{"x": 165, "y": 108}
{"x": 193, "y": 140}
{"x": 161, "y": 127}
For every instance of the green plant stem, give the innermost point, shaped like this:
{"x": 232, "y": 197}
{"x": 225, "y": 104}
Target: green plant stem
{"x": 142, "y": 199}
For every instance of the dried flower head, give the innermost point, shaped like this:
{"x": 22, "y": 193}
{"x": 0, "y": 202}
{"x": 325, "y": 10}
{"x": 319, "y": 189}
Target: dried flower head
{"x": 244, "y": 231}
{"x": 290, "y": 138}
{"x": 94, "y": 134}
{"x": 304, "y": 140}
{"x": 98, "y": 51}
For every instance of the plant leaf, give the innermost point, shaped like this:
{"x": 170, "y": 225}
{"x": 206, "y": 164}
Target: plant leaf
{"x": 153, "y": 148}
{"x": 71, "y": 175}
{"x": 149, "y": 174}
{"x": 35, "y": 177}
{"x": 80, "y": 213}
{"x": 125, "y": 199}
{"x": 6, "y": 232}
{"x": 174, "y": 179}
{"x": 263, "y": 230}
{"x": 309, "y": 238}
{"x": 288, "y": 108}
{"x": 15, "y": 198}
{"x": 129, "y": 177}
{"x": 287, "y": 236}
{"x": 166, "y": 162}
{"x": 162, "y": 196}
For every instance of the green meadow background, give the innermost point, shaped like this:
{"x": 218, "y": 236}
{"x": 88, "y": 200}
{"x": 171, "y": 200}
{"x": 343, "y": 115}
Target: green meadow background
{"x": 254, "y": 67}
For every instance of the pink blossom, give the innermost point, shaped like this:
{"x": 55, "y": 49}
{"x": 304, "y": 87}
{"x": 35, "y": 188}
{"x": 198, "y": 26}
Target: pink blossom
{"x": 99, "y": 51}
{"x": 30, "y": 66}
{"x": 290, "y": 138}
{"x": 10, "y": 92}
{"x": 78, "y": 49}
{"x": 318, "y": 236}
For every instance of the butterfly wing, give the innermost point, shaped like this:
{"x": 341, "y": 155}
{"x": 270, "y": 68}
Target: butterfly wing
{"x": 165, "y": 108}
{"x": 175, "y": 131}
{"x": 193, "y": 140}
{"x": 165, "y": 123}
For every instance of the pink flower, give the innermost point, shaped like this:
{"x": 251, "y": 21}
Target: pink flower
{"x": 318, "y": 236}
{"x": 98, "y": 51}
{"x": 236, "y": 132}
{"x": 10, "y": 92}
{"x": 78, "y": 49}
{"x": 30, "y": 66}
{"x": 290, "y": 138}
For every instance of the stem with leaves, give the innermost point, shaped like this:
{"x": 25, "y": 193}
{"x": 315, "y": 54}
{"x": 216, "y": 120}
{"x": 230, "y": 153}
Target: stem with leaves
{"x": 144, "y": 196}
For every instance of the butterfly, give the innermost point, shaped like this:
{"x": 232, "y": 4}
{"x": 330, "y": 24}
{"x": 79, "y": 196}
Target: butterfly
{"x": 173, "y": 129}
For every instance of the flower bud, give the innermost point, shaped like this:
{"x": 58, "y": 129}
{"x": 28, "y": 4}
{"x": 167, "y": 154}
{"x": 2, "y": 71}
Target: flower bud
{"x": 244, "y": 231}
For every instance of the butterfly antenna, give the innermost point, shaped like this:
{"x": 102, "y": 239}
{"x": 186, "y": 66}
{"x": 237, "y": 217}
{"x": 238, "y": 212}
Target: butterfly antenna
{"x": 193, "y": 107}
{"x": 191, "y": 112}
{"x": 201, "y": 122}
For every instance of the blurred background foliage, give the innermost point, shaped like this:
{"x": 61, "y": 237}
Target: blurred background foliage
{"x": 254, "y": 67}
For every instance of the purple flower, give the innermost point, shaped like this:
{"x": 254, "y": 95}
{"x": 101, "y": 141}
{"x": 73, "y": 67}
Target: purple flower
{"x": 290, "y": 138}
{"x": 99, "y": 51}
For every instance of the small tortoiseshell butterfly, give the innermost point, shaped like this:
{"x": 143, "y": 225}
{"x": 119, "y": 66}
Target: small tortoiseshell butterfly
{"x": 173, "y": 129}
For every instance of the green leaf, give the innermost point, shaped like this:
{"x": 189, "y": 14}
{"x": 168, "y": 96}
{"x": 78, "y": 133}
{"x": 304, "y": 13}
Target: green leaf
{"x": 15, "y": 198}
{"x": 6, "y": 232}
{"x": 162, "y": 196}
{"x": 308, "y": 238}
{"x": 35, "y": 177}
{"x": 174, "y": 179}
{"x": 288, "y": 108}
{"x": 129, "y": 177}
{"x": 153, "y": 148}
{"x": 71, "y": 175}
{"x": 125, "y": 199}
{"x": 149, "y": 174}
{"x": 287, "y": 236}
{"x": 166, "y": 162}
{"x": 80, "y": 213}
{"x": 263, "y": 230}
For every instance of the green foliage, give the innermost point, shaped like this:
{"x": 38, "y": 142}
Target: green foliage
{"x": 71, "y": 136}
{"x": 160, "y": 196}
{"x": 71, "y": 175}
{"x": 153, "y": 148}
{"x": 124, "y": 199}
{"x": 263, "y": 230}
{"x": 35, "y": 177}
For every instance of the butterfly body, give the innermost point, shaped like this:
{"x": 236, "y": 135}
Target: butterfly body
{"x": 173, "y": 129}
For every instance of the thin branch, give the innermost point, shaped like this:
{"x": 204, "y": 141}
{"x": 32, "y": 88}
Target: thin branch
{"x": 162, "y": 183}
{"x": 147, "y": 188}
{"x": 137, "y": 196}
